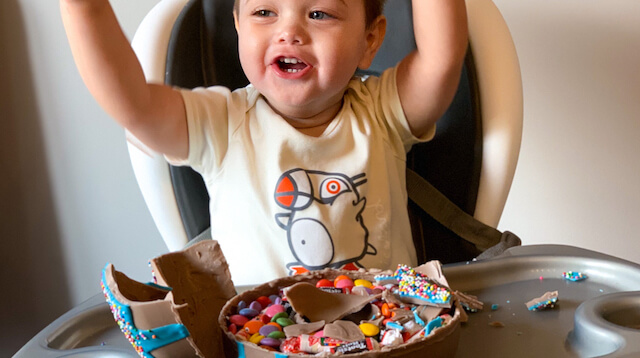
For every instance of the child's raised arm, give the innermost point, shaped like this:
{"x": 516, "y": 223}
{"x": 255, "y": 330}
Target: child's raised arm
{"x": 153, "y": 113}
{"x": 428, "y": 78}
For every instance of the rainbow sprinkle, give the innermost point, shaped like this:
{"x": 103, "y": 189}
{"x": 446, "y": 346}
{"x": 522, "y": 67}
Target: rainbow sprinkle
{"x": 415, "y": 285}
{"x": 143, "y": 341}
{"x": 574, "y": 276}
{"x": 548, "y": 300}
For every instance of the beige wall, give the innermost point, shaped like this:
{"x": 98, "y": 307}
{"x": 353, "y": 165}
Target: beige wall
{"x": 578, "y": 178}
{"x": 69, "y": 202}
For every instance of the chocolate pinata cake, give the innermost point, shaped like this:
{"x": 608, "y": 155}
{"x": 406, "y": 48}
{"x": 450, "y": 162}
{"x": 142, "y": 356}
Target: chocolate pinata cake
{"x": 192, "y": 310}
{"x": 406, "y": 313}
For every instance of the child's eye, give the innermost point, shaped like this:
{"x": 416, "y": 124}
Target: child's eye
{"x": 263, "y": 13}
{"x": 319, "y": 15}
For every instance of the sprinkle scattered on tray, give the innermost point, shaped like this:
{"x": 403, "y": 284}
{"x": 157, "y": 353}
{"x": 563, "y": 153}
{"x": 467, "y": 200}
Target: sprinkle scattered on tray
{"x": 574, "y": 276}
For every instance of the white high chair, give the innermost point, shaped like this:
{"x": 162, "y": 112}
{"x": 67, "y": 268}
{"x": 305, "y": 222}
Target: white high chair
{"x": 471, "y": 160}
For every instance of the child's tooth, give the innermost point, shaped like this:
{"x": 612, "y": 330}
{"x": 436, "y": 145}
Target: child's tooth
{"x": 292, "y": 61}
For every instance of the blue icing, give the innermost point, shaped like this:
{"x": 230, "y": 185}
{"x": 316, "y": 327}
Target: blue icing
{"x": 416, "y": 317}
{"x": 143, "y": 341}
{"x": 153, "y": 284}
{"x": 240, "y": 350}
{"x": 280, "y": 355}
{"x": 433, "y": 324}
{"x": 434, "y": 300}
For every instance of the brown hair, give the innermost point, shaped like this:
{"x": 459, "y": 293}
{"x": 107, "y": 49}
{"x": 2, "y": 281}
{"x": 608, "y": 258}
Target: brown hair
{"x": 372, "y": 8}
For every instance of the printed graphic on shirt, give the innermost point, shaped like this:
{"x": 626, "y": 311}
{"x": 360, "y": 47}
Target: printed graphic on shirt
{"x": 323, "y": 221}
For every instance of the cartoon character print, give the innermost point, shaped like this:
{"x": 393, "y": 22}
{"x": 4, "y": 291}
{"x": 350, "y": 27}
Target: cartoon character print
{"x": 323, "y": 222}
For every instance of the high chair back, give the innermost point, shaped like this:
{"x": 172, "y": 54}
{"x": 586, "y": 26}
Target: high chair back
{"x": 471, "y": 160}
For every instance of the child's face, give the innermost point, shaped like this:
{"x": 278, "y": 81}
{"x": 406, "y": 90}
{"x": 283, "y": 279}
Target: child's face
{"x": 301, "y": 54}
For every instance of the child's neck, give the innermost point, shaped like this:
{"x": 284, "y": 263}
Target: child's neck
{"x": 314, "y": 125}
{"x": 313, "y": 130}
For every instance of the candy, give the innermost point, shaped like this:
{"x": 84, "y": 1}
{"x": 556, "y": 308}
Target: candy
{"x": 271, "y": 342}
{"x": 290, "y": 345}
{"x": 331, "y": 289}
{"x": 264, "y": 318}
{"x": 264, "y": 301}
{"x": 368, "y": 344}
{"x": 392, "y": 338}
{"x": 269, "y": 321}
{"x": 369, "y": 329}
{"x": 249, "y": 312}
{"x": 279, "y": 315}
{"x": 284, "y": 321}
{"x": 311, "y": 344}
{"x": 256, "y": 338}
{"x": 255, "y": 305}
{"x": 344, "y": 283}
{"x": 238, "y": 320}
{"x": 363, "y": 283}
{"x": 385, "y": 310}
{"x": 253, "y": 326}
{"x": 340, "y": 278}
{"x": 277, "y": 335}
{"x": 273, "y": 310}
{"x": 324, "y": 283}
{"x": 267, "y": 329}
{"x": 361, "y": 291}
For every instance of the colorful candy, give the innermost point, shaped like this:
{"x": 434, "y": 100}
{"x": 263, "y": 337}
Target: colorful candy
{"x": 392, "y": 322}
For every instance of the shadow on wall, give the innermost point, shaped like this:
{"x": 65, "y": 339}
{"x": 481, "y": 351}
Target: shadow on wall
{"x": 34, "y": 288}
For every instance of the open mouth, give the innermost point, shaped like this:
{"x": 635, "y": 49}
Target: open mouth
{"x": 290, "y": 64}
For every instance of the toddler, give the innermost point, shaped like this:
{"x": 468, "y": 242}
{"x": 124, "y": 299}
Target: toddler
{"x": 305, "y": 167}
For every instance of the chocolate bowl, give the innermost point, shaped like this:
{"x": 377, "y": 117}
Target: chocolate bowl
{"x": 441, "y": 342}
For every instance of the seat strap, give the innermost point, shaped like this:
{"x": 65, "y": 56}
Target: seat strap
{"x": 439, "y": 207}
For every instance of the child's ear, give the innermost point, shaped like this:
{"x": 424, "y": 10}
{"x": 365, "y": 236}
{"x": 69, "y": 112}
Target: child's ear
{"x": 374, "y": 37}
{"x": 235, "y": 19}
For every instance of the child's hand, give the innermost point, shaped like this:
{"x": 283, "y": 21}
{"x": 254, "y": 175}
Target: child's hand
{"x": 152, "y": 113}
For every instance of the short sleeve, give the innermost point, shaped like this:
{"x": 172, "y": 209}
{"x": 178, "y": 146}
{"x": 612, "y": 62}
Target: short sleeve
{"x": 384, "y": 91}
{"x": 207, "y": 111}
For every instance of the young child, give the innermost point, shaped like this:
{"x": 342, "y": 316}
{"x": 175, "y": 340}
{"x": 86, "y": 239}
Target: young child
{"x": 306, "y": 166}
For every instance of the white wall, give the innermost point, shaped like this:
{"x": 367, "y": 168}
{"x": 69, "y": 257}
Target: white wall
{"x": 69, "y": 202}
{"x": 578, "y": 178}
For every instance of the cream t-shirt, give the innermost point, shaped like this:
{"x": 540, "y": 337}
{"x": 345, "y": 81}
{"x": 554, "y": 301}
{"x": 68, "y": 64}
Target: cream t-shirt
{"x": 284, "y": 202}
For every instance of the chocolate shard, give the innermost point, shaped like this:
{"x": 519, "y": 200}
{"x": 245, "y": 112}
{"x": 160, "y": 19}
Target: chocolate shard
{"x": 317, "y": 305}
{"x": 201, "y": 283}
{"x": 344, "y": 330}
{"x": 299, "y": 329}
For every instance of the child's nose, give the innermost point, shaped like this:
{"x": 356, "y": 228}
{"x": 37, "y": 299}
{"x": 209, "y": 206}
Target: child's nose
{"x": 291, "y": 32}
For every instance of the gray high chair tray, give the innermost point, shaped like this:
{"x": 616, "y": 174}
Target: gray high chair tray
{"x": 594, "y": 317}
